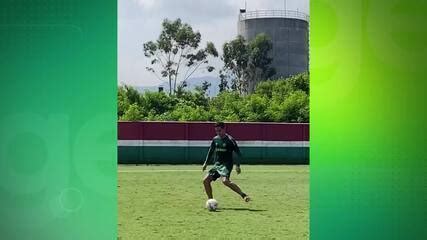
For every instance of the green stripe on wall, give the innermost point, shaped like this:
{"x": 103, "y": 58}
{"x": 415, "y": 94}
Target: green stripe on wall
{"x": 196, "y": 155}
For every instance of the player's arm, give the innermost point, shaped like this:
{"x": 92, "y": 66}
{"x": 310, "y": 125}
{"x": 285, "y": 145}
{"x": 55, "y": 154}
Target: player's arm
{"x": 209, "y": 155}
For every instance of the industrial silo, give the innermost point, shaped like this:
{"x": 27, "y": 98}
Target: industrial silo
{"x": 288, "y": 31}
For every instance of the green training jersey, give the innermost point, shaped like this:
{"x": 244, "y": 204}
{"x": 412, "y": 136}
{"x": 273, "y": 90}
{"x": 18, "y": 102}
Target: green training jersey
{"x": 222, "y": 150}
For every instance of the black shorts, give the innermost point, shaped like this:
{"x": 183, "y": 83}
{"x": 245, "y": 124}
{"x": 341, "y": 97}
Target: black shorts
{"x": 214, "y": 174}
{"x": 220, "y": 170}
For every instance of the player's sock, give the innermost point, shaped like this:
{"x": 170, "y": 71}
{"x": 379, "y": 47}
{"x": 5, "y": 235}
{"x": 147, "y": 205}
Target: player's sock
{"x": 245, "y": 197}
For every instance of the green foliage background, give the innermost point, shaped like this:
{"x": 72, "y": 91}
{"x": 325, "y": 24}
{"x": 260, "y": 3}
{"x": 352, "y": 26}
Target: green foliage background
{"x": 282, "y": 100}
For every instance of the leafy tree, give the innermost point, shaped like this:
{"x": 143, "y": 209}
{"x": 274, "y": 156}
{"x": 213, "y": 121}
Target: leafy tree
{"x": 281, "y": 89}
{"x": 223, "y": 85}
{"x": 296, "y": 107}
{"x": 300, "y": 82}
{"x": 184, "y": 112}
{"x": 132, "y": 95}
{"x": 126, "y": 96}
{"x": 259, "y": 62}
{"x": 177, "y": 49}
{"x": 122, "y": 102}
{"x": 133, "y": 113}
{"x": 155, "y": 103}
{"x": 265, "y": 88}
{"x": 235, "y": 58}
{"x": 205, "y": 86}
{"x": 246, "y": 63}
{"x": 180, "y": 91}
{"x": 254, "y": 108}
{"x": 226, "y": 107}
{"x": 282, "y": 100}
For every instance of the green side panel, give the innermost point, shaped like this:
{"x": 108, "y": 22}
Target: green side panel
{"x": 291, "y": 155}
{"x": 129, "y": 155}
{"x": 164, "y": 155}
{"x": 197, "y": 155}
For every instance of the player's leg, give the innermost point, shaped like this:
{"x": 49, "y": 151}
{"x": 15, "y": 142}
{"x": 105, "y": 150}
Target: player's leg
{"x": 208, "y": 188}
{"x": 226, "y": 181}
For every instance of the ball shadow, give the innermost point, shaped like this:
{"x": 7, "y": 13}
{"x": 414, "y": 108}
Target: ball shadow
{"x": 242, "y": 209}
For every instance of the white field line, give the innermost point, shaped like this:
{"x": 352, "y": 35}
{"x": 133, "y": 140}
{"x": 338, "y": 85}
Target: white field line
{"x": 195, "y": 170}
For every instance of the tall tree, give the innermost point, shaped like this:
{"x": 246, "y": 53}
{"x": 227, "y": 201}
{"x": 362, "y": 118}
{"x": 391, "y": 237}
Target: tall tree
{"x": 247, "y": 63}
{"x": 223, "y": 84}
{"x": 205, "y": 86}
{"x": 259, "y": 68}
{"x": 235, "y": 58}
{"x": 177, "y": 51}
{"x": 180, "y": 90}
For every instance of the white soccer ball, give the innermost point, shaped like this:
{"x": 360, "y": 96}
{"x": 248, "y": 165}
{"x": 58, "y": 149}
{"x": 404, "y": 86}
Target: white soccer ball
{"x": 211, "y": 204}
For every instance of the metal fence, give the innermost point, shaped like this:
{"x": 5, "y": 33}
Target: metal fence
{"x": 274, "y": 14}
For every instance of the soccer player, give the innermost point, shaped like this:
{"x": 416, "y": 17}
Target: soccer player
{"x": 222, "y": 147}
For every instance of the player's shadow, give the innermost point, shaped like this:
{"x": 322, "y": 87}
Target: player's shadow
{"x": 242, "y": 209}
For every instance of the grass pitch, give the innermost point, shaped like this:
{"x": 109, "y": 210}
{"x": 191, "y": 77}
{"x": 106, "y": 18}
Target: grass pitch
{"x": 167, "y": 202}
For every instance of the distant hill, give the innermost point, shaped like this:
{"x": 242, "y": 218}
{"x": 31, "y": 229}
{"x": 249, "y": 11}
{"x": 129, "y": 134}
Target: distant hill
{"x": 192, "y": 83}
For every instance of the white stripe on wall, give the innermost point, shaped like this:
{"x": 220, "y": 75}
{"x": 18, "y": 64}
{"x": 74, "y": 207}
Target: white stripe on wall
{"x": 192, "y": 143}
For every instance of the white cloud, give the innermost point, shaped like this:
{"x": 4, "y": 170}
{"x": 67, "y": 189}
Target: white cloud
{"x": 147, "y": 4}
